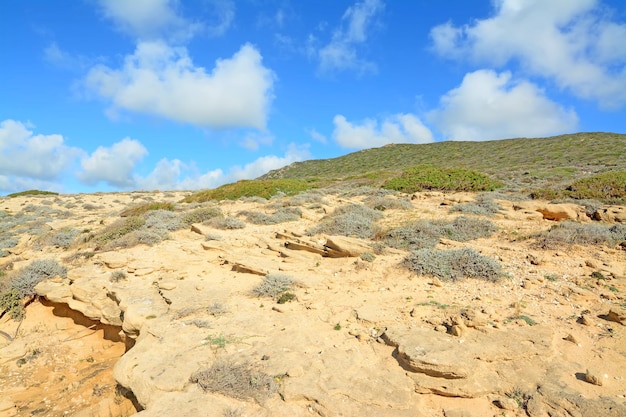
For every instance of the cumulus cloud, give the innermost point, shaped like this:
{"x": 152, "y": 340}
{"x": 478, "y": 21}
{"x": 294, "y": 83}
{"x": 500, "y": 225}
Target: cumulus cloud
{"x": 341, "y": 52}
{"x": 317, "y": 136}
{"x": 488, "y": 106}
{"x": 399, "y": 128}
{"x": 26, "y": 156}
{"x": 174, "y": 174}
{"x": 162, "y": 80}
{"x": 148, "y": 19}
{"x": 113, "y": 165}
{"x": 570, "y": 42}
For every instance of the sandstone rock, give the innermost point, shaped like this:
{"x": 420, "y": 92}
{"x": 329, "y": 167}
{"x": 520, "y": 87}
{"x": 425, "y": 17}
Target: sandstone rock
{"x": 586, "y": 320}
{"x": 506, "y": 403}
{"x": 556, "y": 212}
{"x": 611, "y": 214}
{"x": 346, "y": 246}
{"x": 592, "y": 378}
{"x": 305, "y": 246}
{"x": 617, "y": 315}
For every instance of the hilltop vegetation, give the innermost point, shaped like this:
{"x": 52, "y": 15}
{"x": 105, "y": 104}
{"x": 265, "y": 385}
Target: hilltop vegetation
{"x": 553, "y": 162}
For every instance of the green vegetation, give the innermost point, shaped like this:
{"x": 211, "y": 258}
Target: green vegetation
{"x": 141, "y": 209}
{"x": 570, "y": 233}
{"x": 426, "y": 177}
{"x": 22, "y": 284}
{"x": 351, "y": 220}
{"x": 608, "y": 188}
{"x": 519, "y": 163}
{"x": 200, "y": 215}
{"x": 31, "y": 192}
{"x": 250, "y": 188}
{"x": 426, "y": 233}
{"x": 453, "y": 265}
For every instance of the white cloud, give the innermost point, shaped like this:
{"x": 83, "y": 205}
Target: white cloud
{"x": 488, "y": 106}
{"x": 399, "y": 128}
{"x": 113, "y": 165}
{"x": 32, "y": 157}
{"x": 570, "y": 42}
{"x": 174, "y": 174}
{"x": 223, "y": 17}
{"x": 149, "y": 19}
{"x": 341, "y": 52}
{"x": 253, "y": 140}
{"x": 161, "y": 80}
{"x": 317, "y": 136}
{"x": 54, "y": 55}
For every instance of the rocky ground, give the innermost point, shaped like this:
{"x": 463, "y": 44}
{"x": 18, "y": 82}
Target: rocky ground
{"x": 176, "y": 328}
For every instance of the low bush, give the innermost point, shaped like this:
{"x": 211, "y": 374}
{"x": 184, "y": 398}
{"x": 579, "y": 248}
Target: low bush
{"x": 7, "y": 242}
{"x": 118, "y": 229}
{"x": 286, "y": 214}
{"x": 352, "y": 220}
{"x": 483, "y": 205}
{"x": 142, "y": 209}
{"x": 426, "y": 233}
{"x": 236, "y": 380}
{"x": 273, "y": 285}
{"x": 163, "y": 220}
{"x": 387, "y": 203}
{"x": 62, "y": 238}
{"x": 200, "y": 215}
{"x": 250, "y": 188}
{"x": 453, "y": 265}
{"x": 25, "y": 280}
{"x": 31, "y": 192}
{"x": 569, "y": 233}
{"x": 608, "y": 188}
{"x": 226, "y": 223}
{"x": 425, "y": 177}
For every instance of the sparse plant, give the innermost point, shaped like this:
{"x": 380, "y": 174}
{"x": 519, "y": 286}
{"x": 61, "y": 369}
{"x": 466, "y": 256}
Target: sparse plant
{"x": 483, "y": 205}
{"x": 163, "y": 219}
{"x": 31, "y": 192}
{"x": 382, "y": 203}
{"x": 118, "y": 229}
{"x": 286, "y": 214}
{"x": 141, "y": 209}
{"x": 237, "y": 380}
{"x": 273, "y": 285}
{"x": 367, "y": 257}
{"x": 117, "y": 276}
{"x": 28, "y": 277}
{"x": 250, "y": 188}
{"x": 286, "y": 297}
{"x": 425, "y": 177}
{"x": 217, "y": 309}
{"x": 598, "y": 275}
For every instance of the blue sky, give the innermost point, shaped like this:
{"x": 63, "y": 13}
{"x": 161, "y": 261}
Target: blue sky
{"x": 112, "y": 95}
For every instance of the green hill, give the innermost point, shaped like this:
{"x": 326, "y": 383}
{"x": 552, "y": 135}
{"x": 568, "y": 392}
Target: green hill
{"x": 521, "y": 164}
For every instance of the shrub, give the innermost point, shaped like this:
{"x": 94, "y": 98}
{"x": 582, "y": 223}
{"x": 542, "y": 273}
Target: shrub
{"x": 483, "y": 205}
{"x": 117, "y": 276}
{"x": 62, "y": 238}
{"x": 387, "y": 203}
{"x": 426, "y": 177}
{"x": 273, "y": 285}
{"x": 453, "y": 265}
{"x": 226, "y": 223}
{"x": 31, "y": 192}
{"x": 426, "y": 233}
{"x": 241, "y": 381}
{"x": 200, "y": 215}
{"x": 119, "y": 228}
{"x": 250, "y": 188}
{"x": 27, "y": 278}
{"x": 11, "y": 304}
{"x": 352, "y": 220}
{"x": 164, "y": 220}
{"x": 287, "y": 214}
{"x": 141, "y": 209}
{"x": 7, "y": 242}
{"x": 568, "y": 233}
{"x": 608, "y": 188}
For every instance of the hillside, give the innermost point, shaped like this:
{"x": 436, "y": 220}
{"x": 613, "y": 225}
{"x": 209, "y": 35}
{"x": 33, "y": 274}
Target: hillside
{"x": 519, "y": 163}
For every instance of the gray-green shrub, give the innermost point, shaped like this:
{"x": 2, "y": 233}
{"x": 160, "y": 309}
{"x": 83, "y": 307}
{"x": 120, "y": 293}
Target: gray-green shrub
{"x": 352, "y": 220}
{"x": 453, "y": 265}
{"x": 273, "y": 285}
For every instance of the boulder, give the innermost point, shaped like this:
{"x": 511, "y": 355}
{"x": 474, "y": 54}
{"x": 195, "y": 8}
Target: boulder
{"x": 555, "y": 212}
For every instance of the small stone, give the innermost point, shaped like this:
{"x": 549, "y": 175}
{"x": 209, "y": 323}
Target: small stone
{"x": 533, "y": 259}
{"x": 441, "y": 328}
{"x": 585, "y": 320}
{"x": 527, "y": 284}
{"x": 506, "y": 403}
{"x": 199, "y": 287}
{"x": 617, "y": 315}
{"x": 436, "y": 282}
{"x": 456, "y": 330}
{"x": 592, "y": 378}
{"x": 591, "y": 263}
{"x": 571, "y": 338}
